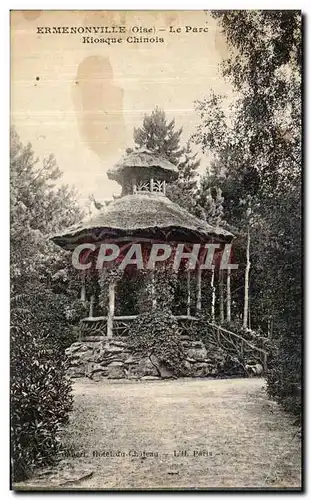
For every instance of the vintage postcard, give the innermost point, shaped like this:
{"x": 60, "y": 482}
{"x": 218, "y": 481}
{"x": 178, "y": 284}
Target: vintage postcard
{"x": 155, "y": 181}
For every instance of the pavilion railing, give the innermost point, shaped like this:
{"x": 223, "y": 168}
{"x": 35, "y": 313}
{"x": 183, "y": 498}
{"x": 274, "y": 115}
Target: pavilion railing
{"x": 94, "y": 329}
{"x": 236, "y": 344}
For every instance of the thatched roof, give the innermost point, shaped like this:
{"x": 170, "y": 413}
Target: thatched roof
{"x": 142, "y": 158}
{"x": 142, "y": 216}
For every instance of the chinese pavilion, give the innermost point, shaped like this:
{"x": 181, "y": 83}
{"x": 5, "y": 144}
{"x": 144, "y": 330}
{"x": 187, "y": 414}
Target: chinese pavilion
{"x": 144, "y": 214}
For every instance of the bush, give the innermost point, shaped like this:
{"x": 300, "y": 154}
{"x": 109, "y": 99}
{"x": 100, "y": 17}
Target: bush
{"x": 156, "y": 333}
{"x": 40, "y": 391}
{"x": 284, "y": 376}
{"x": 55, "y": 315}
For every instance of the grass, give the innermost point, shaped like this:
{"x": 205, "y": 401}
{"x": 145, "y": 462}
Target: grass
{"x": 233, "y": 435}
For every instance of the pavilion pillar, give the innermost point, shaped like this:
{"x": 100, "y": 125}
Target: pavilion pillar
{"x": 83, "y": 291}
{"x": 199, "y": 289}
{"x": 229, "y": 295}
{"x": 221, "y": 296}
{"x": 188, "y": 293}
{"x": 111, "y": 304}
{"x": 213, "y": 296}
{"x": 153, "y": 294}
{"x": 91, "y": 311}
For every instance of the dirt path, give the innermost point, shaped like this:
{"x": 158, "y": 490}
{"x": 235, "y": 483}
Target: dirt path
{"x": 230, "y": 434}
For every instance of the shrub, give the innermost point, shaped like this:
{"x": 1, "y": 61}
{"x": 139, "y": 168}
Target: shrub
{"x": 284, "y": 375}
{"x": 40, "y": 391}
{"x": 156, "y": 333}
{"x": 75, "y": 310}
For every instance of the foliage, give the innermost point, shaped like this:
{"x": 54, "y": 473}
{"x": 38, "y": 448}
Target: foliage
{"x": 160, "y": 136}
{"x": 257, "y": 164}
{"x": 283, "y": 376}
{"x": 185, "y": 188}
{"x": 42, "y": 286}
{"x": 40, "y": 396}
{"x": 156, "y": 333}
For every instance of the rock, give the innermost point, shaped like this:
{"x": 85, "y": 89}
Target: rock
{"x": 197, "y": 344}
{"x": 86, "y": 356}
{"x": 204, "y": 369}
{"x": 76, "y": 372}
{"x": 150, "y": 377}
{"x": 74, "y": 478}
{"x": 114, "y": 359}
{"x": 102, "y": 357}
{"x": 254, "y": 370}
{"x": 202, "y": 364}
{"x": 115, "y": 363}
{"x": 93, "y": 367}
{"x": 73, "y": 348}
{"x": 165, "y": 371}
{"x": 115, "y": 372}
{"x": 119, "y": 356}
{"x": 110, "y": 348}
{"x": 131, "y": 361}
{"x": 201, "y": 370}
{"x": 143, "y": 367}
{"x": 199, "y": 353}
{"x": 186, "y": 365}
{"x": 118, "y": 343}
{"x": 75, "y": 362}
{"x": 98, "y": 375}
{"x": 106, "y": 362}
{"x": 146, "y": 367}
{"x": 259, "y": 369}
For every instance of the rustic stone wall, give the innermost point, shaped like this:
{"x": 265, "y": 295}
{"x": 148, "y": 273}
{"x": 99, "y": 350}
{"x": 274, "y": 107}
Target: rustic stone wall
{"x": 111, "y": 358}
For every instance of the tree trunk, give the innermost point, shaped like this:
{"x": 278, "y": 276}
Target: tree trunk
{"x": 221, "y": 296}
{"x": 246, "y": 281}
{"x": 213, "y": 296}
{"x": 229, "y": 295}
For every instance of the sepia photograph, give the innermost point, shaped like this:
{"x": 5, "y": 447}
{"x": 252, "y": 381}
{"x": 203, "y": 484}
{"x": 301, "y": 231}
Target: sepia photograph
{"x": 156, "y": 330}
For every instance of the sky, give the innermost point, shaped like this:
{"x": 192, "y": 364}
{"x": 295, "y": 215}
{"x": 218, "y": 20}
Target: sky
{"x": 81, "y": 101}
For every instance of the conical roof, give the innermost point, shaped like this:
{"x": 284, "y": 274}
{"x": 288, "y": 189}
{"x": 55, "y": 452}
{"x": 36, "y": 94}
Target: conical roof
{"x": 142, "y": 158}
{"x": 142, "y": 216}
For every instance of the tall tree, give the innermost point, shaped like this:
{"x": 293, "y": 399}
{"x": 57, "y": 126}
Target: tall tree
{"x": 260, "y": 149}
{"x": 160, "y": 136}
{"x": 40, "y": 329}
{"x": 210, "y": 208}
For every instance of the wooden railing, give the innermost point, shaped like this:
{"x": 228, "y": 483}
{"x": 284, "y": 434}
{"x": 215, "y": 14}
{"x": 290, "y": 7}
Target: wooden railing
{"x": 236, "y": 344}
{"x": 96, "y": 328}
{"x": 92, "y": 329}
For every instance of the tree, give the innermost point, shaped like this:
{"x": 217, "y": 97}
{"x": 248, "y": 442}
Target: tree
{"x": 210, "y": 208}
{"x": 161, "y": 137}
{"x": 40, "y": 318}
{"x": 259, "y": 146}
